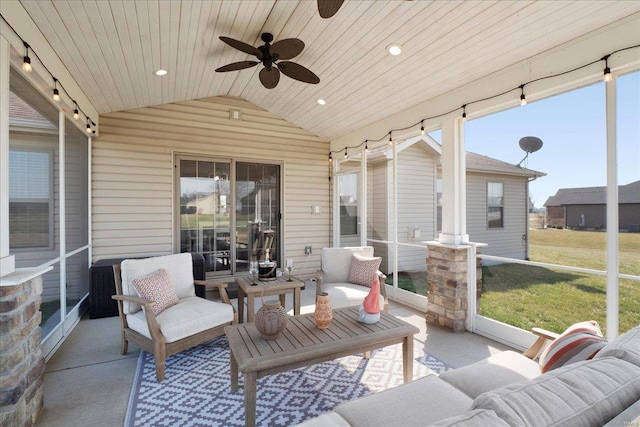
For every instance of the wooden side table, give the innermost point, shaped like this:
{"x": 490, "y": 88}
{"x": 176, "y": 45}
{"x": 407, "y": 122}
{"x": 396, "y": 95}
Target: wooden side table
{"x": 279, "y": 286}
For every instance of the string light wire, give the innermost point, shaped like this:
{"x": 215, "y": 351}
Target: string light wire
{"x": 523, "y": 99}
{"x": 57, "y": 85}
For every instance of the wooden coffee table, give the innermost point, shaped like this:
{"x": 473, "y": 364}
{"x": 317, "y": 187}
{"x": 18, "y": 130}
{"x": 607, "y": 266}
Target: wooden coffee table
{"x": 303, "y": 344}
{"x": 279, "y": 286}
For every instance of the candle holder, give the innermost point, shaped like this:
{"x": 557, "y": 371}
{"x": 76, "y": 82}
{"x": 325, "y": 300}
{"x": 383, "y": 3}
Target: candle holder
{"x": 253, "y": 269}
{"x": 289, "y": 267}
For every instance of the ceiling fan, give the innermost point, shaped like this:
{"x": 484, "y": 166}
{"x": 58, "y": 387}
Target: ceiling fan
{"x": 328, "y": 8}
{"x": 273, "y": 57}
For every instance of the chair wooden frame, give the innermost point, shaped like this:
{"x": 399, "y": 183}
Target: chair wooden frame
{"x": 536, "y": 348}
{"x": 157, "y": 344}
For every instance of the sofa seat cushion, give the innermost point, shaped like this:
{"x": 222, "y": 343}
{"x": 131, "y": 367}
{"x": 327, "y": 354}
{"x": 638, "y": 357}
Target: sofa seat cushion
{"x": 626, "y": 347}
{"x": 330, "y": 419}
{"x": 347, "y": 294}
{"x": 190, "y": 316}
{"x": 179, "y": 266}
{"x": 475, "y": 418}
{"x": 418, "y": 403}
{"x": 499, "y": 370}
{"x": 588, "y": 393}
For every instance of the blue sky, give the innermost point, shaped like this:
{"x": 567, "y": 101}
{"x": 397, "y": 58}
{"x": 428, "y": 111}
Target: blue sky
{"x": 572, "y": 129}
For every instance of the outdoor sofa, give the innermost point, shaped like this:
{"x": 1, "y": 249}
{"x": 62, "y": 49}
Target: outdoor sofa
{"x": 507, "y": 389}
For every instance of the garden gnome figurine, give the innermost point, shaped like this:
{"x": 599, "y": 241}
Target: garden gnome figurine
{"x": 370, "y": 308}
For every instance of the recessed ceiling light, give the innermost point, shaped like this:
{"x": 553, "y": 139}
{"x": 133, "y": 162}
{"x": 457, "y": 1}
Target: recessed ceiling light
{"x": 394, "y": 49}
{"x": 321, "y": 101}
{"x": 160, "y": 72}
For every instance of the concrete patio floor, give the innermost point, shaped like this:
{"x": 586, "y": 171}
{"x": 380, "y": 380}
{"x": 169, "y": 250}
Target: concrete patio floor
{"x": 88, "y": 382}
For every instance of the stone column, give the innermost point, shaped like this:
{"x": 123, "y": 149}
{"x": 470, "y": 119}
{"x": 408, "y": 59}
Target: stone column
{"x": 22, "y": 364}
{"x": 447, "y": 280}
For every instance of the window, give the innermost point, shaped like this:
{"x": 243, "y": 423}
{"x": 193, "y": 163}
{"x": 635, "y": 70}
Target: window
{"x": 495, "y": 205}
{"x": 30, "y": 204}
{"x": 348, "y": 188}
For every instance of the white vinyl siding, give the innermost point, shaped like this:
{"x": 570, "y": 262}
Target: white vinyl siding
{"x": 506, "y": 241}
{"x": 132, "y": 173}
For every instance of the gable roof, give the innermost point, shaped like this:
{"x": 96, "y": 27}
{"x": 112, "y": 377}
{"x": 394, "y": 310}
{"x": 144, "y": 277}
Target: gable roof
{"x": 629, "y": 193}
{"x": 479, "y": 163}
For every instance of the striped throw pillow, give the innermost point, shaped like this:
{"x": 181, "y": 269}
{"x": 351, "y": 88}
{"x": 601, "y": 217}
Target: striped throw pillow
{"x": 156, "y": 287}
{"x": 581, "y": 341}
{"x": 364, "y": 270}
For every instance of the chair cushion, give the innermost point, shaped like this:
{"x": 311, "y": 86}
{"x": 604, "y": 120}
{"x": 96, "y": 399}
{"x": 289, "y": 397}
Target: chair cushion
{"x": 179, "y": 266}
{"x": 347, "y": 294}
{"x": 497, "y": 371}
{"x": 626, "y": 347}
{"x": 581, "y": 341}
{"x": 363, "y": 269}
{"x": 156, "y": 287}
{"x": 584, "y": 394}
{"x": 190, "y": 316}
{"x": 336, "y": 262}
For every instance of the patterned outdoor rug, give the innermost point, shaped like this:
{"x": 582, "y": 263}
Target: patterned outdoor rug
{"x": 196, "y": 390}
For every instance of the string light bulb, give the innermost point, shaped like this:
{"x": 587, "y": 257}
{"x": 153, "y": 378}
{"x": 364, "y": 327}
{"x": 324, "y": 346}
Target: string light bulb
{"x": 607, "y": 71}
{"x": 345, "y": 152}
{"x": 76, "y": 114}
{"x": 366, "y": 145}
{"x": 88, "y": 125}
{"x": 330, "y": 157}
{"x": 464, "y": 111}
{"x": 56, "y": 92}
{"x": 523, "y": 99}
{"x": 26, "y": 61}
{"x": 390, "y": 139}
{"x": 422, "y": 127}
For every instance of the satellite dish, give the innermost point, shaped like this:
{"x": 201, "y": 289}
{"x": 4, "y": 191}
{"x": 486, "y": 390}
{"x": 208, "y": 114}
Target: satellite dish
{"x": 530, "y": 144}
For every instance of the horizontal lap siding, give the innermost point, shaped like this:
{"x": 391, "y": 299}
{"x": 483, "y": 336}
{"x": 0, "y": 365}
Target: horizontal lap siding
{"x": 505, "y": 241}
{"x": 132, "y": 172}
{"x": 416, "y": 205}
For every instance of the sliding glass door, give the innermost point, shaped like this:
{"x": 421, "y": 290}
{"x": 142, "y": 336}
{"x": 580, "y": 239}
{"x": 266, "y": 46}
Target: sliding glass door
{"x": 229, "y": 211}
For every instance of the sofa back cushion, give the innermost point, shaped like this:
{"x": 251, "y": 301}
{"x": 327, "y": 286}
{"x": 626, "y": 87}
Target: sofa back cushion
{"x": 179, "y": 267}
{"x": 336, "y": 262}
{"x": 626, "y": 346}
{"x": 588, "y": 393}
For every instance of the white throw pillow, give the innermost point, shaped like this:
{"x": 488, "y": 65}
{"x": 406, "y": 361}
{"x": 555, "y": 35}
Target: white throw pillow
{"x": 363, "y": 269}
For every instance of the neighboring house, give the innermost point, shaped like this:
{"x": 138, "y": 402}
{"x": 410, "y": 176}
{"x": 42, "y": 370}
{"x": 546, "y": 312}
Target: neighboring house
{"x": 586, "y": 208}
{"x": 497, "y": 203}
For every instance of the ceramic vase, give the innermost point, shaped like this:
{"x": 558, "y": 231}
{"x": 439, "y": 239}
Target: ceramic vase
{"x": 323, "y": 314}
{"x": 271, "y": 320}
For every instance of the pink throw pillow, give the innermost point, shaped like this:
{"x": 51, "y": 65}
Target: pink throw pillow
{"x": 156, "y": 287}
{"x": 581, "y": 341}
{"x": 363, "y": 269}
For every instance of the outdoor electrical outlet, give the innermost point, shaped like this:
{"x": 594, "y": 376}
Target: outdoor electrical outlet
{"x": 307, "y": 250}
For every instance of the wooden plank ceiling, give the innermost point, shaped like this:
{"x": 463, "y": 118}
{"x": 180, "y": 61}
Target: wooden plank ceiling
{"x": 112, "y": 48}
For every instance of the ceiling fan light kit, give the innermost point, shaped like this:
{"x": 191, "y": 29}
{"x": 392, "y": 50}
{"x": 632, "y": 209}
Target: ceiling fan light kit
{"x": 274, "y": 59}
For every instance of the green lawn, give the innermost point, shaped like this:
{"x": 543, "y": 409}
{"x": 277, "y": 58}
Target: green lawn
{"x": 527, "y": 296}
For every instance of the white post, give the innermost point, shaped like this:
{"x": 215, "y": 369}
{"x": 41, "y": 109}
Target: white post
{"x": 62, "y": 173}
{"x": 7, "y": 261}
{"x": 454, "y": 183}
{"x": 612, "y": 212}
{"x": 362, "y": 197}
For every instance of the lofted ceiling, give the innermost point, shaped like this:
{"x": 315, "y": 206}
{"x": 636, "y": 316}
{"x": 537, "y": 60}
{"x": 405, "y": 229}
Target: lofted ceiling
{"x": 112, "y": 47}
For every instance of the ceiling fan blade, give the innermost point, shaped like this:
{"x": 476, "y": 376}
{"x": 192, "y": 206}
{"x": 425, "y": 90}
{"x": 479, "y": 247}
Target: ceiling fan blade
{"x": 237, "y": 66}
{"x": 241, "y": 46}
{"x": 287, "y": 48}
{"x": 298, "y": 72}
{"x": 328, "y": 8}
{"x": 269, "y": 77}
